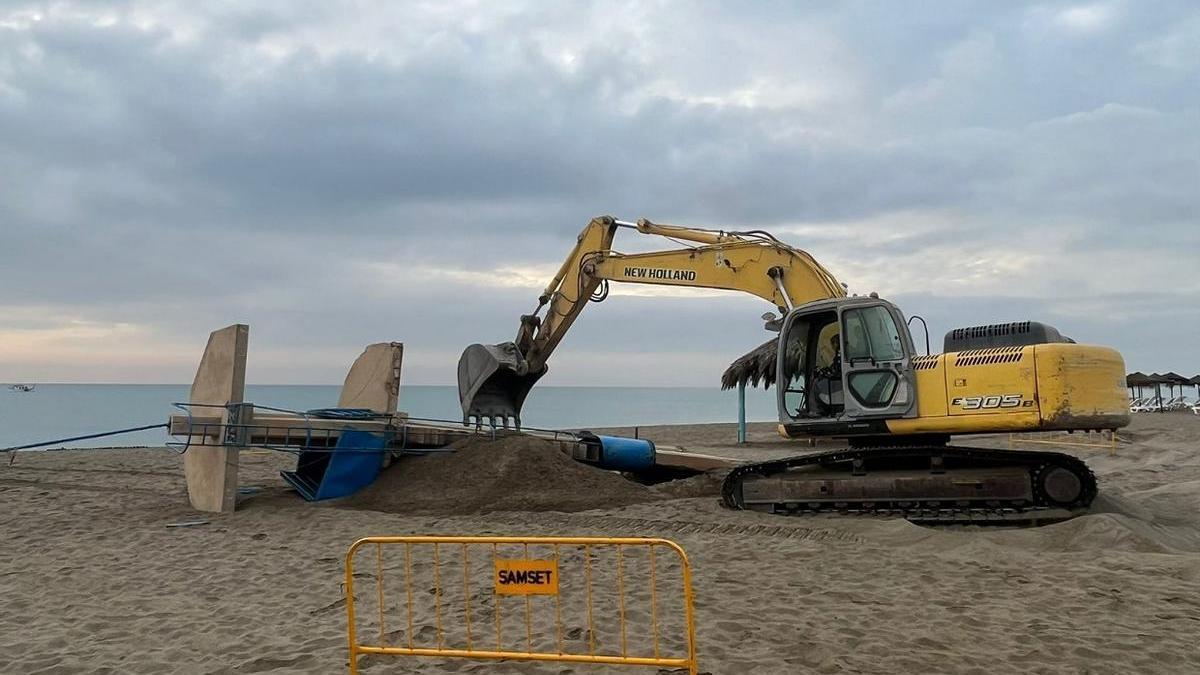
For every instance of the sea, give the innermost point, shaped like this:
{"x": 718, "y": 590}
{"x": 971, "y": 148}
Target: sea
{"x": 56, "y": 412}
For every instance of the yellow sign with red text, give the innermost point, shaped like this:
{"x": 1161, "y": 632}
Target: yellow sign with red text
{"x": 526, "y": 577}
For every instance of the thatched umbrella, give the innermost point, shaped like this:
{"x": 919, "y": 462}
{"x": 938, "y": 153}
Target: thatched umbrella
{"x": 1174, "y": 379}
{"x": 1138, "y": 380}
{"x": 1159, "y": 381}
{"x": 757, "y": 366}
{"x": 1195, "y": 382}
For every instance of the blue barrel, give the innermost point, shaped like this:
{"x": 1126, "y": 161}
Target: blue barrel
{"x": 625, "y": 454}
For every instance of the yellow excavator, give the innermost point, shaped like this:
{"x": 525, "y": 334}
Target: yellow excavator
{"x": 846, "y": 368}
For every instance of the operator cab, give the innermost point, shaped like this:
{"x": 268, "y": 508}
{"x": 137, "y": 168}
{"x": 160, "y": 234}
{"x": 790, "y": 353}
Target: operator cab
{"x": 844, "y": 367}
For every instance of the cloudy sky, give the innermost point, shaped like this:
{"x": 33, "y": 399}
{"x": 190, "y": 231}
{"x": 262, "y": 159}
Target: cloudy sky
{"x": 336, "y": 174}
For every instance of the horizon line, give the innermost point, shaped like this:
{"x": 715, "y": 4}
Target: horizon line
{"x": 285, "y": 384}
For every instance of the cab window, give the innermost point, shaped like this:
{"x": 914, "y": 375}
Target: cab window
{"x": 873, "y": 388}
{"x": 871, "y": 333}
{"x": 794, "y": 394}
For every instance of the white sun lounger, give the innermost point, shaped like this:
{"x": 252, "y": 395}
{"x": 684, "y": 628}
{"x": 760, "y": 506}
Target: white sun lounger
{"x": 1147, "y": 405}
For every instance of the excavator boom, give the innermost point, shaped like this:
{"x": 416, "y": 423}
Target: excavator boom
{"x": 494, "y": 380}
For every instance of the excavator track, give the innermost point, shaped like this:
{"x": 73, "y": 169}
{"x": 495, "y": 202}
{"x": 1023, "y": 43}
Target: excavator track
{"x": 930, "y": 484}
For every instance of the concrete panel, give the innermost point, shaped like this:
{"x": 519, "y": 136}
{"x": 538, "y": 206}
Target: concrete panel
{"x": 212, "y": 470}
{"x": 374, "y": 380}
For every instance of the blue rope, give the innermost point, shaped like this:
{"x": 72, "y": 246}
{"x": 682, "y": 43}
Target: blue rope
{"x": 84, "y": 438}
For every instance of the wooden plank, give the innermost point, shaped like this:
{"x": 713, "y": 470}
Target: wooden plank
{"x": 183, "y": 425}
{"x": 682, "y": 459}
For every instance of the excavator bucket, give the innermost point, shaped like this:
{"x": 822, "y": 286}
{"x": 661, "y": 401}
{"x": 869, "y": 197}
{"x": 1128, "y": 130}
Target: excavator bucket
{"x": 493, "y": 381}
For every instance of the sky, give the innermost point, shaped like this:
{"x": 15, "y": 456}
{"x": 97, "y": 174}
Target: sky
{"x": 341, "y": 173}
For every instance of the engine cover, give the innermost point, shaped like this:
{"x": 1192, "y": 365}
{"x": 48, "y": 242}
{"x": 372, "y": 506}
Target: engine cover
{"x": 1012, "y": 334}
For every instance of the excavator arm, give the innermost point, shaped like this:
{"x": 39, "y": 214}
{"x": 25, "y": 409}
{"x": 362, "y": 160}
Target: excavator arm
{"x": 493, "y": 380}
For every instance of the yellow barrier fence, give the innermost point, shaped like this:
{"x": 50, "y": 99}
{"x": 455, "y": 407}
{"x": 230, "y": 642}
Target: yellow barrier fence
{"x": 1065, "y": 439}
{"x": 574, "y": 599}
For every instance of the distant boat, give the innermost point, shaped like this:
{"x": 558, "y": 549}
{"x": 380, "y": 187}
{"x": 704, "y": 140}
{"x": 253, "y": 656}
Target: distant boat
{"x": 24, "y": 388}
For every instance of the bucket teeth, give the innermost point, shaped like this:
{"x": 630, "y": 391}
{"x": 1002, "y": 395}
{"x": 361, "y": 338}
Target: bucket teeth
{"x": 493, "y": 381}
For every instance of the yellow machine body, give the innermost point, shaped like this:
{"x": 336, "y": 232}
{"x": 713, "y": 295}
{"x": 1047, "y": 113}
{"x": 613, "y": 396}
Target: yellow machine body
{"x": 1044, "y": 387}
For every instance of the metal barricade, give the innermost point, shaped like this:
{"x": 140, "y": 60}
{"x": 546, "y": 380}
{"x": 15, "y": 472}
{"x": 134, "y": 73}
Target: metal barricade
{"x": 1061, "y": 439}
{"x": 566, "y": 583}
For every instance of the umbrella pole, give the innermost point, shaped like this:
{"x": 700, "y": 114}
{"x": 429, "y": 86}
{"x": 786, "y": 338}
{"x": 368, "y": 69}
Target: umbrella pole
{"x": 741, "y": 411}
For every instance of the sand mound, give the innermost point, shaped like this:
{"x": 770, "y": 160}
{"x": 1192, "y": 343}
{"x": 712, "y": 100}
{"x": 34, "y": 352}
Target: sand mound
{"x": 517, "y": 473}
{"x": 1114, "y": 523}
{"x": 1166, "y": 430}
{"x": 1172, "y": 500}
{"x": 701, "y": 485}
{"x": 1109, "y": 532}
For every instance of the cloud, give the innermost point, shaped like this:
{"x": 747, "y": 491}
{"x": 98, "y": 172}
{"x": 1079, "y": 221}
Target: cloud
{"x": 1178, "y": 49}
{"x": 336, "y": 174}
{"x": 1085, "y": 18}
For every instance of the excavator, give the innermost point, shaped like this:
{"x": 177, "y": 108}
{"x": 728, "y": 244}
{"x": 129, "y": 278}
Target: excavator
{"x": 846, "y": 368}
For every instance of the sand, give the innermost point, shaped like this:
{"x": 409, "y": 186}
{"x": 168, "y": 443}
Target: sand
{"x": 514, "y": 473}
{"x": 93, "y": 581}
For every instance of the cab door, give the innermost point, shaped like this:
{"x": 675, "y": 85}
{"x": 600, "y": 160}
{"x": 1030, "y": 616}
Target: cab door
{"x": 877, "y": 373}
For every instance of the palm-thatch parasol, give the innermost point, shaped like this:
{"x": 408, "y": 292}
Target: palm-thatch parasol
{"x": 1174, "y": 379}
{"x": 758, "y": 365}
{"x": 1139, "y": 379}
{"x": 754, "y": 367}
{"x": 1159, "y": 380}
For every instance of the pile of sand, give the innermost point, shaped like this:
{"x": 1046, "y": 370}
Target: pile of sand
{"x": 516, "y": 473}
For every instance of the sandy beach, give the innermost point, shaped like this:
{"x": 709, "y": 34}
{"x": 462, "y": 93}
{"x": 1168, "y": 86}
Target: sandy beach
{"x": 92, "y": 579}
